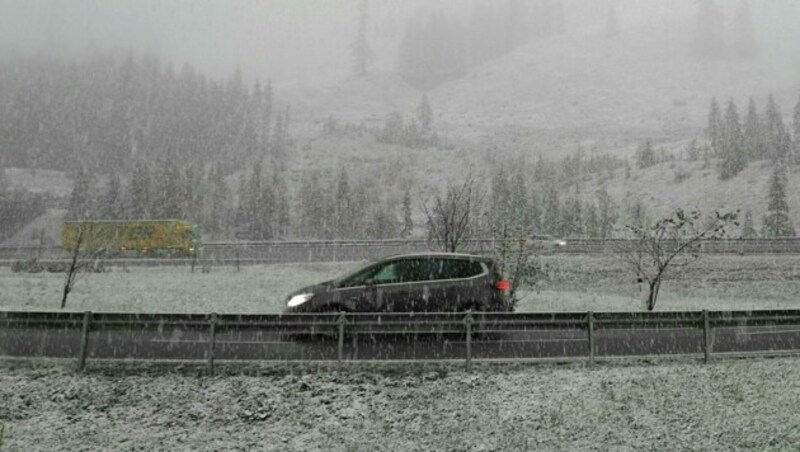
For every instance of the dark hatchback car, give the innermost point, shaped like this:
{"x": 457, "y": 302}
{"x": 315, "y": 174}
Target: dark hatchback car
{"x": 429, "y": 282}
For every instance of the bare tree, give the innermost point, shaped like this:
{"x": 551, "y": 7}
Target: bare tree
{"x": 452, "y": 219}
{"x": 511, "y": 226}
{"x": 514, "y": 255}
{"x": 669, "y": 243}
{"x": 74, "y": 266}
{"x": 82, "y": 259}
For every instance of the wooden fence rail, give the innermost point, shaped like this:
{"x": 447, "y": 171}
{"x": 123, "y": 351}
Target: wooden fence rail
{"x": 391, "y": 337}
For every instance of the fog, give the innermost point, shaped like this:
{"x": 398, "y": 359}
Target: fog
{"x": 307, "y": 40}
{"x": 392, "y": 100}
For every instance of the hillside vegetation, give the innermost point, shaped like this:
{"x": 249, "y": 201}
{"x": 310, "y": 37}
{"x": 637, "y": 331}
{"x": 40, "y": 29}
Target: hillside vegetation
{"x": 602, "y": 93}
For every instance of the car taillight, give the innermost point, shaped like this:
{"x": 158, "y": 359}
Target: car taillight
{"x": 502, "y": 285}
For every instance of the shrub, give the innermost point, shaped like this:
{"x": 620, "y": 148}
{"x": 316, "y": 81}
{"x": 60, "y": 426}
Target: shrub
{"x": 28, "y": 266}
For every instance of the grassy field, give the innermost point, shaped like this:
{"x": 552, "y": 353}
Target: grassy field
{"x": 726, "y": 405}
{"x": 571, "y": 283}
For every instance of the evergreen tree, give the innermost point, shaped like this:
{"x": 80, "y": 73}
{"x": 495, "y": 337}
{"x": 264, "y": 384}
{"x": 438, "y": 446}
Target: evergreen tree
{"x": 592, "y": 222}
{"x": 81, "y": 199}
{"x": 612, "y": 27}
{"x": 748, "y": 227}
{"x": 500, "y": 197}
{"x": 425, "y": 116}
{"x": 280, "y": 136}
{"x": 536, "y": 212}
{"x": 383, "y": 224}
{"x": 281, "y": 212}
{"x": 638, "y": 215}
{"x": 408, "y": 222}
{"x": 258, "y": 205}
{"x": 646, "y": 155}
{"x": 265, "y": 212}
{"x": 192, "y": 191}
{"x": 311, "y": 208}
{"x": 732, "y": 153}
{"x": 559, "y": 18}
{"x": 715, "y": 126}
{"x": 776, "y": 140}
{"x": 242, "y": 222}
{"x": 219, "y": 203}
{"x": 545, "y": 18}
{"x": 343, "y": 212}
{"x": 552, "y": 211}
{"x": 166, "y": 198}
{"x": 111, "y": 203}
{"x": 139, "y": 192}
{"x": 541, "y": 172}
{"x": 692, "y": 151}
{"x": 261, "y": 113}
{"x": 753, "y": 133}
{"x": 520, "y": 206}
{"x": 362, "y": 54}
{"x": 796, "y": 124}
{"x": 572, "y": 218}
{"x": 709, "y": 32}
{"x": 777, "y": 222}
{"x": 393, "y": 128}
{"x": 432, "y": 51}
{"x": 744, "y": 41}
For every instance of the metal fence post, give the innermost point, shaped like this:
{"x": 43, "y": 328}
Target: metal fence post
{"x": 87, "y": 319}
{"x": 340, "y": 348}
{"x": 706, "y": 336}
{"x": 468, "y": 321}
{"x": 212, "y": 339}
{"x": 590, "y": 333}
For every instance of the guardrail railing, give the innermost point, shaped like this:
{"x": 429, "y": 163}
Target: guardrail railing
{"x": 348, "y": 250}
{"x": 396, "y": 337}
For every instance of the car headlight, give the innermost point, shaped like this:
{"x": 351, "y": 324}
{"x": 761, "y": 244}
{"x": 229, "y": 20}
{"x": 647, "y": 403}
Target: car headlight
{"x": 297, "y": 300}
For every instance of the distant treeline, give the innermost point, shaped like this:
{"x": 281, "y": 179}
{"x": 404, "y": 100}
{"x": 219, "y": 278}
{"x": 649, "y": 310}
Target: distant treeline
{"x": 102, "y": 113}
{"x": 534, "y": 199}
{"x": 17, "y": 209}
{"x": 437, "y": 48}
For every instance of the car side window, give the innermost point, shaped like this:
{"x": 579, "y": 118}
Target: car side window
{"x": 361, "y": 278}
{"x": 457, "y": 269}
{"x": 426, "y": 269}
{"x": 386, "y": 273}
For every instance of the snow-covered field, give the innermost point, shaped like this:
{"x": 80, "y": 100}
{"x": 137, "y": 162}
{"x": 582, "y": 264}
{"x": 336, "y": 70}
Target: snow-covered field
{"x": 726, "y": 405}
{"x": 572, "y": 283}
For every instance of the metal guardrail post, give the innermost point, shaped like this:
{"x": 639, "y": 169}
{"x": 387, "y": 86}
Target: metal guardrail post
{"x": 706, "y": 336}
{"x": 341, "y": 321}
{"x": 590, "y": 333}
{"x": 468, "y": 321}
{"x": 84, "y": 350}
{"x": 212, "y": 339}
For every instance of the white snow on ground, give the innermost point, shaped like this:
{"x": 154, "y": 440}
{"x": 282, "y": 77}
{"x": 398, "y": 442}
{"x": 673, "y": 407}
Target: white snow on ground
{"x": 723, "y": 406}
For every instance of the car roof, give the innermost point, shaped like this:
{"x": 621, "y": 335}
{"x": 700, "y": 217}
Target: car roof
{"x": 439, "y": 254}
